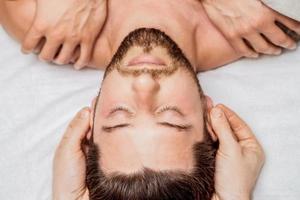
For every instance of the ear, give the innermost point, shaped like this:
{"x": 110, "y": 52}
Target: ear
{"x": 93, "y": 105}
{"x": 209, "y": 105}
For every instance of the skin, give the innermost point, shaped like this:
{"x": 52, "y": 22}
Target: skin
{"x": 75, "y": 25}
{"x": 238, "y": 23}
{"x": 232, "y": 28}
{"x": 185, "y": 21}
{"x": 142, "y": 103}
{"x": 144, "y": 88}
{"x": 239, "y": 150}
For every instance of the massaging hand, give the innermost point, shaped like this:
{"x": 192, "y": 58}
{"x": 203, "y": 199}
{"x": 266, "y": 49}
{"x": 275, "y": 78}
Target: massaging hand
{"x": 240, "y": 157}
{"x": 65, "y": 26}
{"x": 69, "y": 170}
{"x": 250, "y": 27}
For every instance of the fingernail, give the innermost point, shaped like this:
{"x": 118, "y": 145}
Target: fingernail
{"x": 216, "y": 113}
{"x": 78, "y": 66}
{"x": 24, "y": 51}
{"x": 58, "y": 62}
{"x": 84, "y": 114}
{"x": 278, "y": 52}
{"x": 293, "y": 47}
{"x": 254, "y": 55}
{"x": 42, "y": 59}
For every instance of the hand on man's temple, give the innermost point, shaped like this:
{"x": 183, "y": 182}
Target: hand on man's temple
{"x": 61, "y": 28}
{"x": 250, "y": 26}
{"x": 69, "y": 170}
{"x": 240, "y": 157}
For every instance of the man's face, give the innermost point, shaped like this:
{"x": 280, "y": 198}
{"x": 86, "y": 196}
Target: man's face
{"x": 150, "y": 109}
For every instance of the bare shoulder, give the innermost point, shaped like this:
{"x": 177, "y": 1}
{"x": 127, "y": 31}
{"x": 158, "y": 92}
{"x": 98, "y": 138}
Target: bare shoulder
{"x": 16, "y": 16}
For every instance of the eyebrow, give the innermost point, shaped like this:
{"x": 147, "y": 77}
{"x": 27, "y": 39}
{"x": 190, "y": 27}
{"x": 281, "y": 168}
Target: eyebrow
{"x": 113, "y": 111}
{"x": 172, "y": 108}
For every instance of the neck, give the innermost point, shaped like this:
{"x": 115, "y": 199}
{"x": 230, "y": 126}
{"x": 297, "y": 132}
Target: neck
{"x": 184, "y": 21}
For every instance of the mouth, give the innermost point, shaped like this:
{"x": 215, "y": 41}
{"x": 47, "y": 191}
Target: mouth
{"x": 146, "y": 59}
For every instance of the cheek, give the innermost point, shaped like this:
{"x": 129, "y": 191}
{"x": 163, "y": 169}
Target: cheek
{"x": 184, "y": 94}
{"x": 112, "y": 94}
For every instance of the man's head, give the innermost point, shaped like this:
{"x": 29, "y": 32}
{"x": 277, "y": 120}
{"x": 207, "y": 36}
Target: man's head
{"x": 149, "y": 138}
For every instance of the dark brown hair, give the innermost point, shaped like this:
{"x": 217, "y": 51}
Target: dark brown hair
{"x": 153, "y": 185}
{"x": 149, "y": 184}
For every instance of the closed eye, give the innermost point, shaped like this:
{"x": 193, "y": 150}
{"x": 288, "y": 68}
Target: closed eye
{"x": 182, "y": 127}
{"x": 109, "y": 129}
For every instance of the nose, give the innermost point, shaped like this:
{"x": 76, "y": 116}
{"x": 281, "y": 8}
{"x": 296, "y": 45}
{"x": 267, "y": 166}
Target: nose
{"x": 145, "y": 87}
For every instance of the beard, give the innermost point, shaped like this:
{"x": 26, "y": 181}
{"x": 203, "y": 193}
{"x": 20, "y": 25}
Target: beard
{"x": 148, "y": 184}
{"x": 148, "y": 39}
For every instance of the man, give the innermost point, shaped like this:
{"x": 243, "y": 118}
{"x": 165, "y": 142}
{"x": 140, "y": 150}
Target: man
{"x": 239, "y": 154}
{"x": 98, "y": 27}
{"x": 149, "y": 134}
{"x": 183, "y": 166}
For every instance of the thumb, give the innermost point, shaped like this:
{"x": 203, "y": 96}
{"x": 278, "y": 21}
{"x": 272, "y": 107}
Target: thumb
{"x": 222, "y": 129}
{"x": 77, "y": 129}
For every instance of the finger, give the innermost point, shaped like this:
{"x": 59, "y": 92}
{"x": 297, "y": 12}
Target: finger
{"x": 243, "y": 49}
{"x": 65, "y": 54}
{"x": 76, "y": 55}
{"x": 31, "y": 40}
{"x": 278, "y": 37}
{"x": 49, "y": 50}
{"x": 291, "y": 33}
{"x": 222, "y": 129}
{"x": 260, "y": 45}
{"x": 85, "y": 142}
{"x": 290, "y": 23}
{"x": 40, "y": 46}
{"x": 77, "y": 129}
{"x": 85, "y": 54}
{"x": 241, "y": 130}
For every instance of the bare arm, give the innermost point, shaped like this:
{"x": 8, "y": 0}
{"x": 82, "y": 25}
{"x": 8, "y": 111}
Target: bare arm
{"x": 17, "y": 18}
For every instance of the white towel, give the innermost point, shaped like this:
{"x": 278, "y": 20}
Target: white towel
{"x": 290, "y": 8}
{"x": 37, "y": 100}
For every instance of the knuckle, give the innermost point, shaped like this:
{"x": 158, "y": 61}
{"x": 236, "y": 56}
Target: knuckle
{"x": 258, "y": 21}
{"x": 74, "y": 38}
{"x": 55, "y": 35}
{"x": 87, "y": 38}
{"x": 232, "y": 34}
{"x": 246, "y": 30}
{"x": 39, "y": 26}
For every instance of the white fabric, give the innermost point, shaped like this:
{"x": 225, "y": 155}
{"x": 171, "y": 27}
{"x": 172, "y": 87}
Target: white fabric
{"x": 37, "y": 100}
{"x": 290, "y": 8}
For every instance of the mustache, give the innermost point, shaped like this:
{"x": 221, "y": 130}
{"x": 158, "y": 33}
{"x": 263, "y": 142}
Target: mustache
{"x": 155, "y": 73}
{"x": 149, "y": 38}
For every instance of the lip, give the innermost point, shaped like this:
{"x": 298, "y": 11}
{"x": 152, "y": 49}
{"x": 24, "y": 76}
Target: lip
{"x": 146, "y": 59}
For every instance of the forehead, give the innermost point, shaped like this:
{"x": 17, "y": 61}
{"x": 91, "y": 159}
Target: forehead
{"x": 128, "y": 151}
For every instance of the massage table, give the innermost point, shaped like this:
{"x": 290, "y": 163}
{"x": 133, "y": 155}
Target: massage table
{"x": 37, "y": 101}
